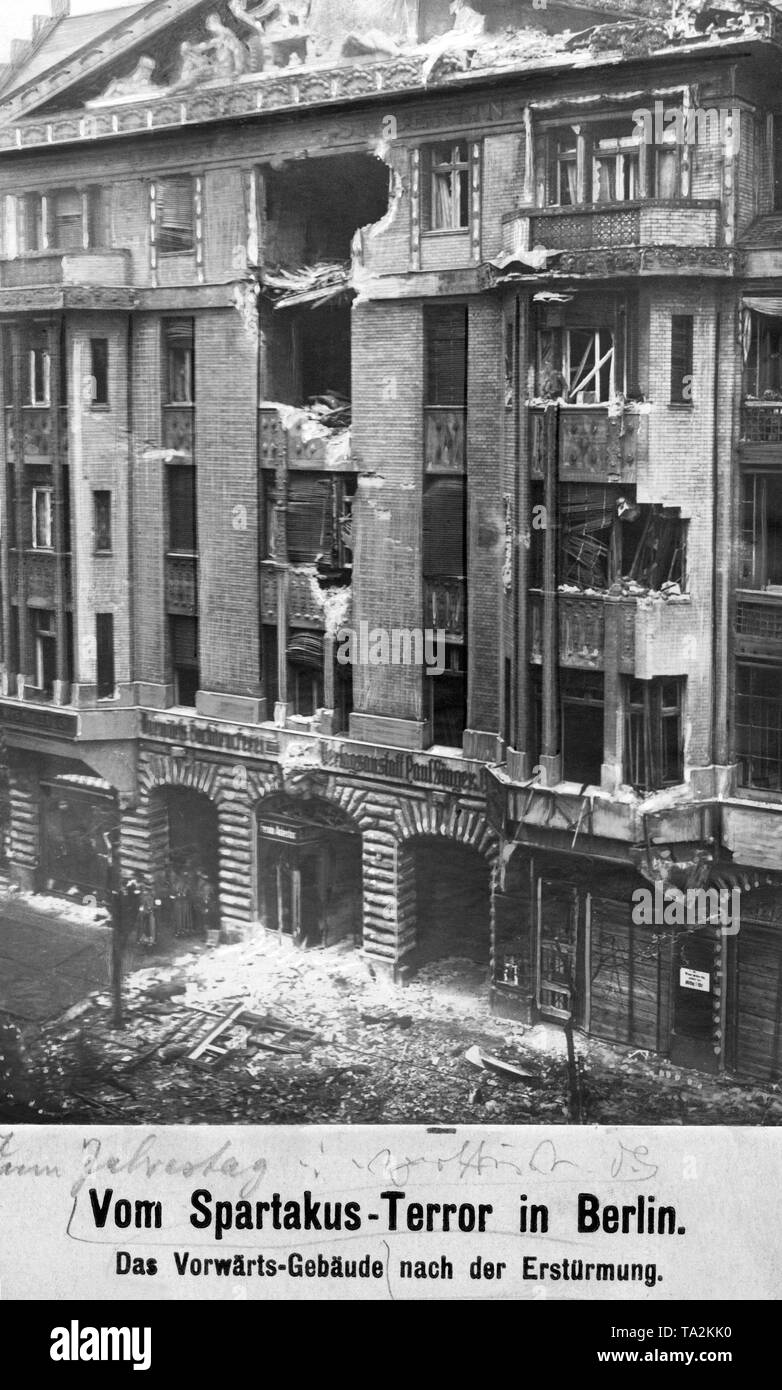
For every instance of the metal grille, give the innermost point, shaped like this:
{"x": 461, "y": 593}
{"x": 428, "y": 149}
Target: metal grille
{"x": 759, "y": 620}
{"x": 762, "y": 424}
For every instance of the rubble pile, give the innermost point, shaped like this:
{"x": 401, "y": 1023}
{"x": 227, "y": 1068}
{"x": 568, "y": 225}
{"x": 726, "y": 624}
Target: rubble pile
{"x": 307, "y": 1038}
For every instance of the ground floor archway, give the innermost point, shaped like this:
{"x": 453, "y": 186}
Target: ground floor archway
{"x": 309, "y": 872}
{"x": 452, "y": 885}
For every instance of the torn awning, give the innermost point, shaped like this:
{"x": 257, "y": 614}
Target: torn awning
{"x": 306, "y": 649}
{"x": 770, "y": 306}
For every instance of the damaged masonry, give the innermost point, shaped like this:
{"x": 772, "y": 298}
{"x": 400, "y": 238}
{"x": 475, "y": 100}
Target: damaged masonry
{"x": 421, "y": 321}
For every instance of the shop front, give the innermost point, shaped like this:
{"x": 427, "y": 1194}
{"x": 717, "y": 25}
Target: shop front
{"x": 78, "y": 820}
{"x": 309, "y": 873}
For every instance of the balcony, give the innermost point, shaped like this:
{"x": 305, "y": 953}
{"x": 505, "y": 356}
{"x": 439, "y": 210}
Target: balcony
{"x": 604, "y": 227}
{"x": 581, "y": 630}
{"x": 444, "y": 440}
{"x": 761, "y": 431}
{"x": 297, "y": 441}
{"x": 46, "y": 268}
{"x": 36, "y": 434}
{"x": 182, "y": 585}
{"x": 758, "y": 624}
{"x": 303, "y": 607}
{"x": 39, "y": 570}
{"x": 445, "y": 607}
{"x": 595, "y": 446}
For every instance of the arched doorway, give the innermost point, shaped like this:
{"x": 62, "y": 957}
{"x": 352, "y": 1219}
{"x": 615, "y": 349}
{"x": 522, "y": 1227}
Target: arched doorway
{"x": 309, "y": 872}
{"x": 452, "y": 897}
{"x": 193, "y": 832}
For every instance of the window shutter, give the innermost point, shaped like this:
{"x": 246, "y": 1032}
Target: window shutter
{"x": 183, "y": 533}
{"x": 309, "y": 517}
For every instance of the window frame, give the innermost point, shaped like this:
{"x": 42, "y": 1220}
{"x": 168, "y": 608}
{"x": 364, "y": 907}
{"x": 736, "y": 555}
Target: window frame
{"x": 98, "y": 401}
{"x": 176, "y": 340}
{"x": 682, "y": 355}
{"x": 97, "y": 526}
{"x": 459, "y": 172}
{"x": 184, "y": 234}
{"x": 102, "y": 643}
{"x": 45, "y": 400}
{"x": 41, "y": 491}
{"x": 646, "y": 715}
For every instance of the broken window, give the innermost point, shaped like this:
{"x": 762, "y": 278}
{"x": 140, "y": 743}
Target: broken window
{"x": 446, "y": 182}
{"x": 311, "y": 519}
{"x": 577, "y": 364}
{"x": 305, "y": 672}
{"x": 760, "y": 560}
{"x": 653, "y": 734}
{"x": 581, "y": 704}
{"x": 607, "y": 538}
{"x": 174, "y": 215}
{"x": 759, "y": 725}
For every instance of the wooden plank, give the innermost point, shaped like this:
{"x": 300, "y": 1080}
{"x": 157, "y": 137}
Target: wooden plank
{"x": 214, "y": 1032}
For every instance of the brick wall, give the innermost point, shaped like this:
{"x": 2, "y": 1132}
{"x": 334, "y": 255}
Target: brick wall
{"x": 227, "y": 491}
{"x": 679, "y": 473}
{"x": 99, "y": 458}
{"x": 388, "y": 446}
{"x": 486, "y": 512}
{"x": 149, "y": 515}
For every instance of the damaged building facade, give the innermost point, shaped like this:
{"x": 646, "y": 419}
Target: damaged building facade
{"x": 431, "y": 319}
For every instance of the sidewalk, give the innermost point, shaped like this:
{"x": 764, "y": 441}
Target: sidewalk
{"x": 52, "y": 954}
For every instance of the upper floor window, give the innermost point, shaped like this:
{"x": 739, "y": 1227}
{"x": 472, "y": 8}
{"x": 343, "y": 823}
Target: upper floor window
{"x": 616, "y": 166}
{"x": 178, "y": 364}
{"x": 42, "y": 518}
{"x": 681, "y": 359}
{"x": 63, "y": 219}
{"x": 606, "y": 161}
{"x": 653, "y": 734}
{"x": 760, "y": 554}
{"x": 175, "y": 215}
{"x": 101, "y": 522}
{"x": 39, "y": 379}
{"x": 446, "y": 182}
{"x": 68, "y": 224}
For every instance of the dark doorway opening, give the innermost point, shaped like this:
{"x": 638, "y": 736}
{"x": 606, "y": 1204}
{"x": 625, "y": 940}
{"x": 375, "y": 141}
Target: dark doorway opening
{"x": 452, "y": 891}
{"x": 309, "y": 873}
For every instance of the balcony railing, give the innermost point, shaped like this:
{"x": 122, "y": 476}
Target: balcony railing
{"x": 298, "y": 447}
{"x": 603, "y": 226}
{"x": 758, "y": 623}
{"x": 75, "y": 267}
{"x": 36, "y": 433}
{"x": 581, "y": 630}
{"x": 594, "y": 446}
{"x": 182, "y": 584}
{"x": 444, "y": 440}
{"x": 445, "y": 606}
{"x": 562, "y": 229}
{"x": 303, "y": 607}
{"x": 39, "y": 569}
{"x": 761, "y": 422}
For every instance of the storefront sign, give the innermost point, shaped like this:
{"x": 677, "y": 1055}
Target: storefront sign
{"x": 198, "y": 734}
{"x": 290, "y": 834}
{"x": 38, "y": 720}
{"x": 695, "y": 979}
{"x": 417, "y": 768}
